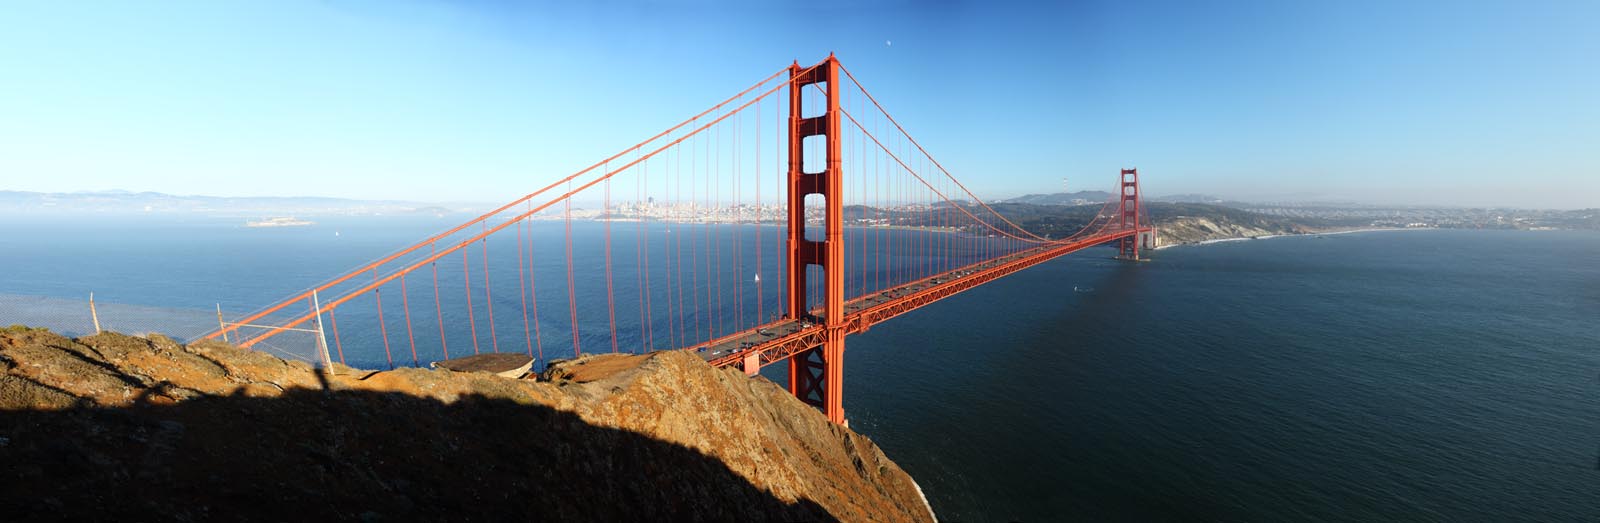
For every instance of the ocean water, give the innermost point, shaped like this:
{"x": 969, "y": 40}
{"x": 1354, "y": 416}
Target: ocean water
{"x": 700, "y": 281}
{"x": 1410, "y": 375}
{"x": 1415, "y": 375}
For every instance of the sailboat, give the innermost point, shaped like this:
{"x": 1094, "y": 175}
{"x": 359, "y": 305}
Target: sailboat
{"x": 758, "y": 277}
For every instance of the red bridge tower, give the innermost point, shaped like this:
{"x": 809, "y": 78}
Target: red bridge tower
{"x": 816, "y": 376}
{"x": 1128, "y": 210}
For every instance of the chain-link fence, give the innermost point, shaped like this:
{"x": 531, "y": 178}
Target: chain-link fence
{"x": 74, "y": 318}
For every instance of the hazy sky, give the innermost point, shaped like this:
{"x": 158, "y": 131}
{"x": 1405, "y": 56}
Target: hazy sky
{"x": 1447, "y": 102}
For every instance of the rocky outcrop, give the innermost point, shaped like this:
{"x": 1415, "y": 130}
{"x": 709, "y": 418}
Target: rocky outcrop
{"x": 119, "y": 427}
{"x": 1194, "y": 229}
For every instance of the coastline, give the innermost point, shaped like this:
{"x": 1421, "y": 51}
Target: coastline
{"x": 1270, "y": 236}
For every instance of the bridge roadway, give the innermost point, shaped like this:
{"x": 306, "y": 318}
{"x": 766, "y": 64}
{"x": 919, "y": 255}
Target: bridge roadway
{"x": 779, "y": 340}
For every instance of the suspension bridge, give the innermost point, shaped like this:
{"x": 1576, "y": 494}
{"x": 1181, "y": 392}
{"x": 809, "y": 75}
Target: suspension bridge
{"x": 763, "y": 230}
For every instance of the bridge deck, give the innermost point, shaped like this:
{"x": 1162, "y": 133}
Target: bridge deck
{"x": 779, "y": 340}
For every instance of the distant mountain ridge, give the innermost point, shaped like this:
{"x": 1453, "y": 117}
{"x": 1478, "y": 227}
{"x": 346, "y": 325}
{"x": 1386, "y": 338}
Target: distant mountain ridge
{"x": 1188, "y": 198}
{"x": 1064, "y": 198}
{"x": 146, "y": 202}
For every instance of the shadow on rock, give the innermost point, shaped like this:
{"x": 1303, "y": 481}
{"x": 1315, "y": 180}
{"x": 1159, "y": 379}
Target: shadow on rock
{"x": 341, "y": 454}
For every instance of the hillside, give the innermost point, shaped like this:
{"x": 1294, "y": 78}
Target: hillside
{"x": 1180, "y": 223}
{"x": 1177, "y": 223}
{"x": 113, "y": 427}
{"x": 1065, "y": 198}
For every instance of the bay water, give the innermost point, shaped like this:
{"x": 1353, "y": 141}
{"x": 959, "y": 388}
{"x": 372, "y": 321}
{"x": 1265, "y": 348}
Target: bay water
{"x": 1409, "y": 375}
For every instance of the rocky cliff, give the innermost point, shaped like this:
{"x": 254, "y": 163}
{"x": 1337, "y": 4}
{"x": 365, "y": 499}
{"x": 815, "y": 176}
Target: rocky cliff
{"x": 119, "y": 427}
{"x": 1180, "y": 223}
{"x": 1195, "y": 229}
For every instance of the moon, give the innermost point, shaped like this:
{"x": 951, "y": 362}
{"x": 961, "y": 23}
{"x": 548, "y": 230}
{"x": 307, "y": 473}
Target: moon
{"x": 887, "y": 43}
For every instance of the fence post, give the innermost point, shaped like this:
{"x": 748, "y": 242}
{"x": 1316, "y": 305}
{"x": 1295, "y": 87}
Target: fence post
{"x": 322, "y": 338}
{"x": 220, "y": 326}
{"x": 94, "y": 314}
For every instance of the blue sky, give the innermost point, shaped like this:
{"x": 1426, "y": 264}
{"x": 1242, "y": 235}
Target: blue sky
{"x": 1448, "y": 102}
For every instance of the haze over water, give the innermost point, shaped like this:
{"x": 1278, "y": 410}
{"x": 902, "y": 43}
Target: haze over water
{"x": 1433, "y": 375}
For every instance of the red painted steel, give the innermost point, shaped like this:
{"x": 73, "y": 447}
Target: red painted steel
{"x": 488, "y": 297}
{"x": 1128, "y": 212}
{"x": 405, "y": 306}
{"x": 431, "y": 242}
{"x": 817, "y": 379}
{"x": 866, "y": 311}
{"x": 466, "y": 285}
{"x": 898, "y": 189}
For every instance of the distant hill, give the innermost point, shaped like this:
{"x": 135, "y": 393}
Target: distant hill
{"x": 126, "y": 202}
{"x": 1063, "y": 198}
{"x": 1177, "y": 222}
{"x": 1188, "y": 198}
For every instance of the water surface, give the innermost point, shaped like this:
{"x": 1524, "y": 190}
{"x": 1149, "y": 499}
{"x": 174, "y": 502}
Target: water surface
{"x": 1415, "y": 375}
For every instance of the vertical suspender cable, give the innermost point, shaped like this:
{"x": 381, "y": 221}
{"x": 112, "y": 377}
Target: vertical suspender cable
{"x": 694, "y": 248}
{"x": 760, "y": 317}
{"x": 668, "y": 185}
{"x": 533, "y": 294}
{"x": 383, "y": 329}
{"x": 334, "y": 322}
{"x": 734, "y": 225}
{"x": 572, "y": 296}
{"x": 488, "y": 296}
{"x": 645, "y": 324}
{"x": 780, "y": 197}
{"x": 466, "y": 283}
{"x": 713, "y": 240}
{"x": 677, "y": 248}
{"x": 405, "y": 305}
{"x": 438, "y": 310}
{"x": 522, "y": 285}
{"x": 716, "y": 238}
{"x": 611, "y": 298}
